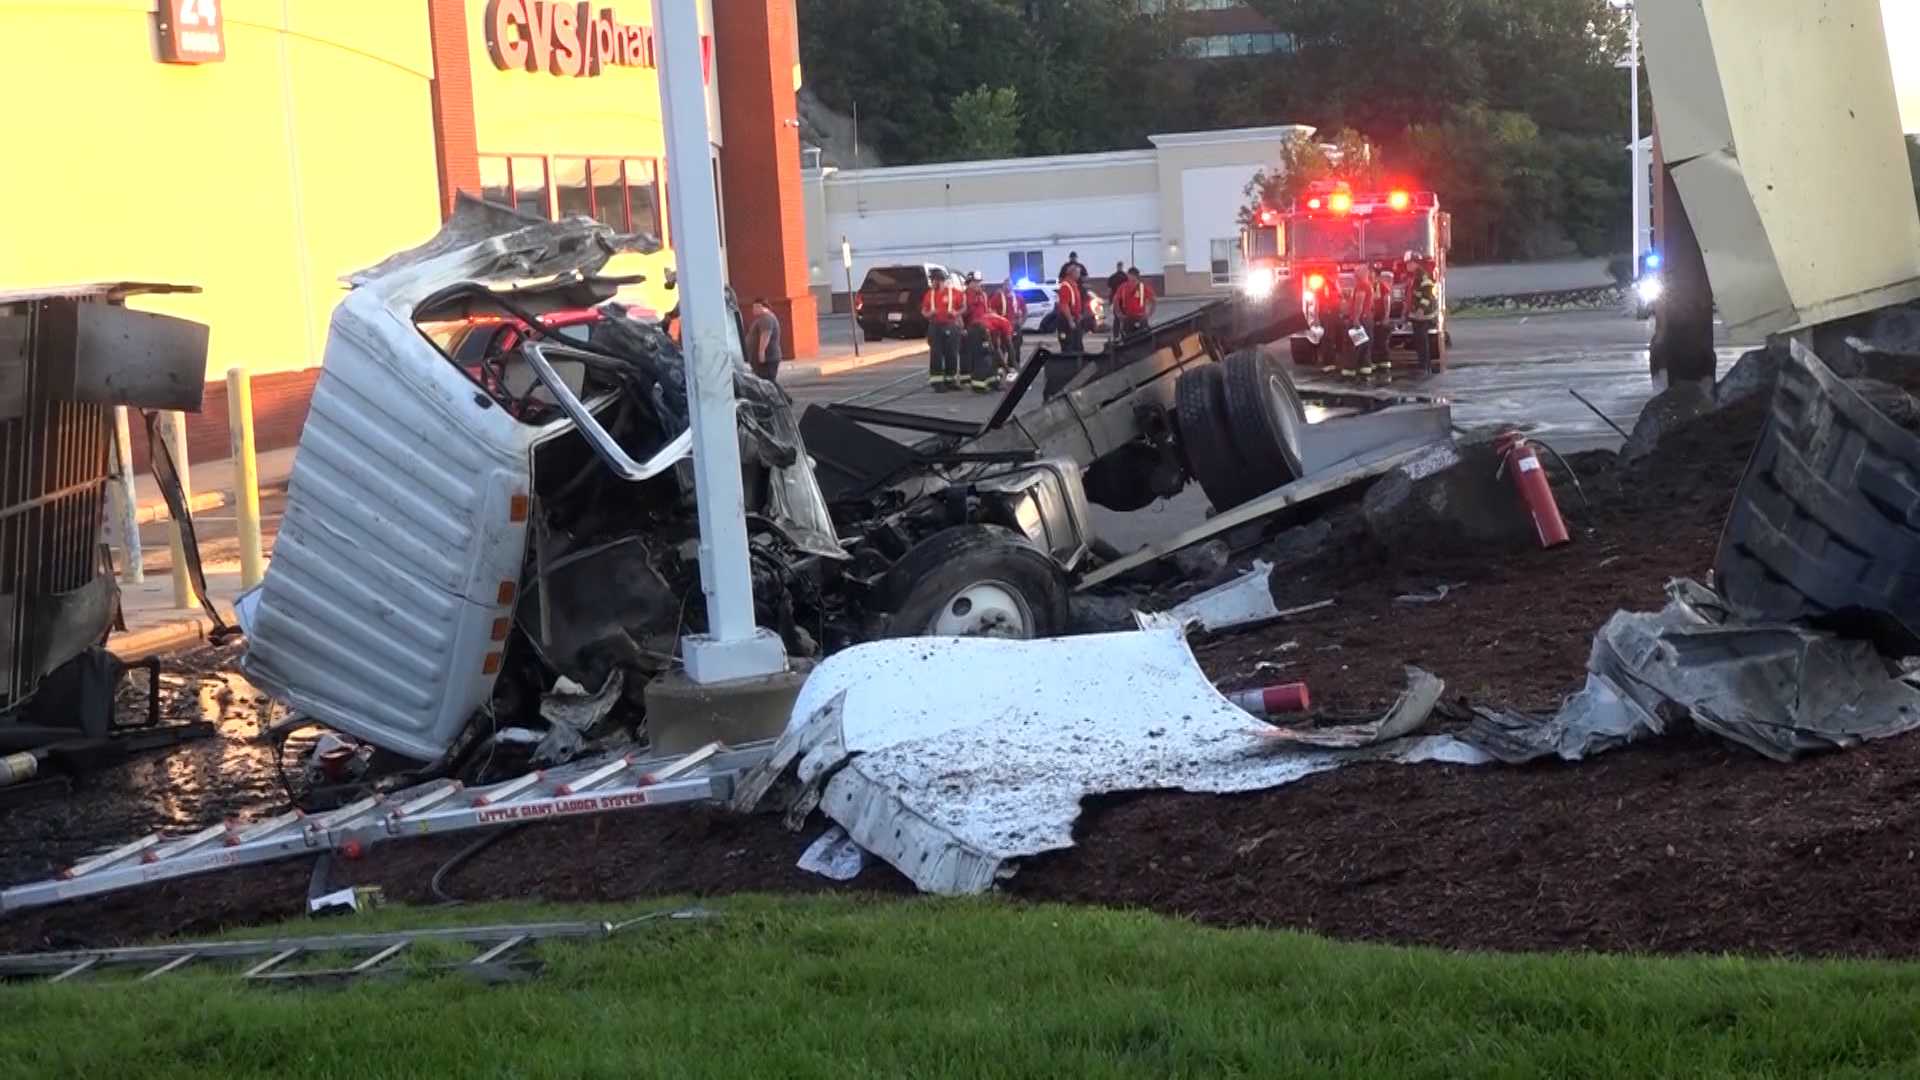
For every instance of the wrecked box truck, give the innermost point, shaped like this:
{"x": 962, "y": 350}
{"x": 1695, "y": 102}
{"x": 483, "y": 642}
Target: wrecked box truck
{"x": 493, "y": 492}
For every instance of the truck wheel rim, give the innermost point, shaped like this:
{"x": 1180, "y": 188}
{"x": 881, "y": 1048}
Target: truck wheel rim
{"x": 990, "y": 609}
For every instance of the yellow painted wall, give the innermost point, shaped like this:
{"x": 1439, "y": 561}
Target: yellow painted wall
{"x": 615, "y": 114}
{"x": 306, "y": 154}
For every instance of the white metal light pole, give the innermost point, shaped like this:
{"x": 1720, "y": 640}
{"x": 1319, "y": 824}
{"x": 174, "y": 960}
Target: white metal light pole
{"x": 1635, "y": 156}
{"x": 733, "y": 647}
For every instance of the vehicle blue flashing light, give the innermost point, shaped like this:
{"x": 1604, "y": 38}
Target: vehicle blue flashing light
{"x": 1653, "y": 260}
{"x": 1024, "y": 283}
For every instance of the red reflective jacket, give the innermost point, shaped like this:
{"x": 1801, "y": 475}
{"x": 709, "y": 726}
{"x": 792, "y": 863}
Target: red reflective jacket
{"x": 1072, "y": 301}
{"x": 943, "y": 304}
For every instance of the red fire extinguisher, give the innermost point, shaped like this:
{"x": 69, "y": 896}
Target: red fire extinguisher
{"x": 1518, "y": 460}
{"x": 1274, "y": 700}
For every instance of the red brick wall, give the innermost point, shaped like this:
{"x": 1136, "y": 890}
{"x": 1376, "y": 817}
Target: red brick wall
{"x": 455, "y": 138}
{"x": 279, "y": 409}
{"x": 765, "y": 211}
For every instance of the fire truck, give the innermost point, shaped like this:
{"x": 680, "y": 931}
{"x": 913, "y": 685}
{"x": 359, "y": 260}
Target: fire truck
{"x": 1326, "y": 233}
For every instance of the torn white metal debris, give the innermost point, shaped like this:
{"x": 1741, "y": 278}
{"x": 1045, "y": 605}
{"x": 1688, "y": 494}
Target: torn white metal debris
{"x": 948, "y": 776}
{"x": 1780, "y": 689}
{"x": 1245, "y": 601}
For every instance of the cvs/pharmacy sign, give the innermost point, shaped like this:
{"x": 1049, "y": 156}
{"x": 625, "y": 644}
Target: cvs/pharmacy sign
{"x": 192, "y": 32}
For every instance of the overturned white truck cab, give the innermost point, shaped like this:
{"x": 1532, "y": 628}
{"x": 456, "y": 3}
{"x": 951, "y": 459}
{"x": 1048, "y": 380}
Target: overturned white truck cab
{"x": 492, "y": 492}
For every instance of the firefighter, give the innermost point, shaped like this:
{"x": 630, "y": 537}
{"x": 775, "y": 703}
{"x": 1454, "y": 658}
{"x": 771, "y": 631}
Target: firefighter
{"x": 1072, "y": 314}
{"x": 1133, "y": 304}
{"x": 1423, "y": 310}
{"x": 988, "y": 336}
{"x": 1115, "y": 281}
{"x": 1382, "y": 316}
{"x": 1359, "y": 358}
{"x": 943, "y": 306}
{"x": 1334, "y": 342}
{"x": 1007, "y": 304}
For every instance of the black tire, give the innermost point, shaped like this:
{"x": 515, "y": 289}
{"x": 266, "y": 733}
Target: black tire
{"x": 1304, "y": 353}
{"x": 1206, "y": 437}
{"x": 872, "y": 334}
{"x": 1266, "y": 416}
{"x": 936, "y": 571}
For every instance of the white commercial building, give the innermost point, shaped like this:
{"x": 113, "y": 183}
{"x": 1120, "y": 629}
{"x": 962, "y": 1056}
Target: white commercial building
{"x": 1172, "y": 211}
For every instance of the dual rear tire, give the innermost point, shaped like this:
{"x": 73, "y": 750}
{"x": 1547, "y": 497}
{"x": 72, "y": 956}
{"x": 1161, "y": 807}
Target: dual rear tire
{"x": 1239, "y": 427}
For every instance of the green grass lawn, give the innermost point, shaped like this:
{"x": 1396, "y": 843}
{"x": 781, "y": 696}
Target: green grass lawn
{"x": 842, "y": 988}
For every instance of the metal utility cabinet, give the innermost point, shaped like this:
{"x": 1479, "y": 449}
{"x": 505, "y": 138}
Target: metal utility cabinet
{"x": 67, "y": 357}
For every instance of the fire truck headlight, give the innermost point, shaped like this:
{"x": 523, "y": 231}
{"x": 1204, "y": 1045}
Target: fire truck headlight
{"x": 1260, "y": 282}
{"x": 1649, "y": 289}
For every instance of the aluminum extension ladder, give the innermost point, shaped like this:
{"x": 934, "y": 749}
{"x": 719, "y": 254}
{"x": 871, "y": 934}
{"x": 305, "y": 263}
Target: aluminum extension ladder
{"x": 594, "y": 785}
{"x": 270, "y": 960}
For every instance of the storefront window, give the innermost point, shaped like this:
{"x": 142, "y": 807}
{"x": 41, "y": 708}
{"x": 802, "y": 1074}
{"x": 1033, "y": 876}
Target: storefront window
{"x": 530, "y": 186}
{"x": 570, "y": 186}
{"x": 496, "y": 181}
{"x": 609, "y": 193}
{"x": 643, "y": 195}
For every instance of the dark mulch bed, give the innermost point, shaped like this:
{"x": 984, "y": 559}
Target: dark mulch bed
{"x": 1515, "y": 628}
{"x": 1689, "y": 845}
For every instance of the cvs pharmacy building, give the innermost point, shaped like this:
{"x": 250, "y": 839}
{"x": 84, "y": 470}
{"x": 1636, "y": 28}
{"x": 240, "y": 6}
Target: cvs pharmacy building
{"x": 262, "y": 149}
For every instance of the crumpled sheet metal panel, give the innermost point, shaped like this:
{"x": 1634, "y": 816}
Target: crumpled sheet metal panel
{"x": 1779, "y": 689}
{"x": 952, "y": 774}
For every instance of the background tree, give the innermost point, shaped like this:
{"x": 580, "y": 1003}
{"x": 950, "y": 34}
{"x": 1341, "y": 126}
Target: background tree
{"x": 1512, "y": 110}
{"x": 987, "y": 124}
{"x": 1307, "y": 158}
{"x": 1086, "y": 72}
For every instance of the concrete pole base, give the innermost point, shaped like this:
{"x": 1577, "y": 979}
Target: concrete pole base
{"x": 683, "y": 715}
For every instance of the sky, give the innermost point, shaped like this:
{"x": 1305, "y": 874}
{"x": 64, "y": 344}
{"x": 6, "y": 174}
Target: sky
{"x": 1903, "y": 40}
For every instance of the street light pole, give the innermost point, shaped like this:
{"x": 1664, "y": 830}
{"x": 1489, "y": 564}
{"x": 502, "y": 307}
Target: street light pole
{"x": 733, "y": 646}
{"x": 1634, "y": 155}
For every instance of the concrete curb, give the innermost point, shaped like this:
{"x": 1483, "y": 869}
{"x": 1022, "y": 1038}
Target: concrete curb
{"x": 167, "y": 637}
{"x": 820, "y": 369}
{"x": 151, "y": 512}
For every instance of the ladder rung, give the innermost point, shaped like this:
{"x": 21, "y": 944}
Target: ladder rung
{"x": 272, "y": 962}
{"x": 345, "y": 814}
{"x": 380, "y": 957}
{"x": 76, "y": 969}
{"x": 172, "y": 965}
{"x": 684, "y": 765}
{"x": 498, "y": 951}
{"x": 264, "y": 828}
{"x": 508, "y": 790}
{"x": 124, "y": 851}
{"x": 597, "y": 776}
{"x": 185, "y": 844}
{"x": 430, "y": 800}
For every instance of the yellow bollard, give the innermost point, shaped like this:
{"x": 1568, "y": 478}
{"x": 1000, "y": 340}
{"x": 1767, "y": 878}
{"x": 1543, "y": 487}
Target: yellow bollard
{"x": 246, "y": 475}
{"x": 174, "y": 433}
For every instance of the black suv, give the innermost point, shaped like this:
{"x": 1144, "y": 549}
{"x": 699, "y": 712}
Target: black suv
{"x": 888, "y": 303}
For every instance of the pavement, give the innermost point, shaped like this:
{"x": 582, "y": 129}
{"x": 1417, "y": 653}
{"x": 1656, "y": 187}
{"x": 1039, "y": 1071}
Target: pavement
{"x": 1514, "y": 370}
{"x": 841, "y": 351}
